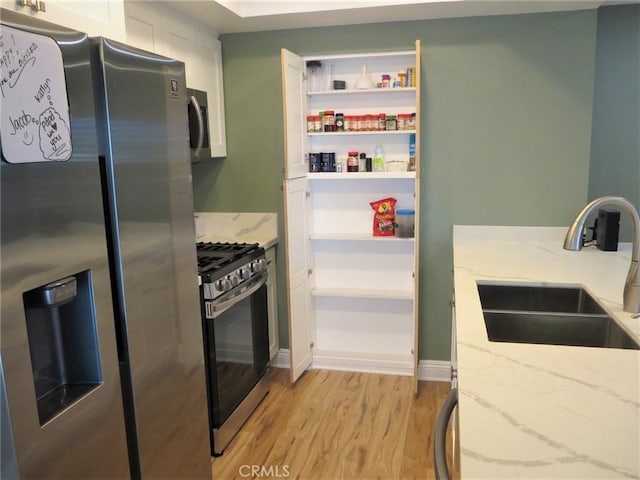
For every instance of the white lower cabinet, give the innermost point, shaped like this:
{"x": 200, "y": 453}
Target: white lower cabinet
{"x": 97, "y": 18}
{"x": 157, "y": 30}
{"x": 272, "y": 303}
{"x": 353, "y": 301}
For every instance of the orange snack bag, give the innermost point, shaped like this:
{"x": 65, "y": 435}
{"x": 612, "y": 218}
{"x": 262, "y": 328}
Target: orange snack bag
{"x": 384, "y": 217}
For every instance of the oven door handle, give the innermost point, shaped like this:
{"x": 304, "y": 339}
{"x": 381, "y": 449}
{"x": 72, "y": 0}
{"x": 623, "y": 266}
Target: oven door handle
{"x": 251, "y": 288}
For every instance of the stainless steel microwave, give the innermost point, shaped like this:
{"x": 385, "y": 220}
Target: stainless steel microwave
{"x": 198, "y": 125}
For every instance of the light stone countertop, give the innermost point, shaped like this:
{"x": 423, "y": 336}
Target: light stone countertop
{"x": 543, "y": 411}
{"x": 249, "y": 227}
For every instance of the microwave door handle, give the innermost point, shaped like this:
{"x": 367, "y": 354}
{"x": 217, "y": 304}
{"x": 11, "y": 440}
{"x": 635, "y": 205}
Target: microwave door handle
{"x": 196, "y": 107}
{"x": 221, "y": 307}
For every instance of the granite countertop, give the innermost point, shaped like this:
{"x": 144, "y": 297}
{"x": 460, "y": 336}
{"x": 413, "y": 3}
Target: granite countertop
{"x": 249, "y": 227}
{"x": 543, "y": 411}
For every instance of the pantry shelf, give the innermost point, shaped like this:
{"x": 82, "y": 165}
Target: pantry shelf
{"x": 359, "y": 175}
{"x": 359, "y": 132}
{"x": 357, "y": 237}
{"x": 362, "y": 293}
{"x": 351, "y": 91}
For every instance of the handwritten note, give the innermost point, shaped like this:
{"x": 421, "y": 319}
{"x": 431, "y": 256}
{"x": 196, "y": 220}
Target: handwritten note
{"x": 33, "y": 99}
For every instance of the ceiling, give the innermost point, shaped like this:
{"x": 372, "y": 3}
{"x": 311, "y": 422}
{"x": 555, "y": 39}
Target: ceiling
{"x": 232, "y": 16}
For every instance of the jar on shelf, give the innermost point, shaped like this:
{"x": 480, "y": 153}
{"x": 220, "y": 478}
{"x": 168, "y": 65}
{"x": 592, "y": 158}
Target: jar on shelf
{"x": 405, "y": 221}
{"x": 362, "y": 162}
{"x": 401, "y": 121}
{"x": 317, "y": 123}
{"x": 390, "y": 123}
{"x": 353, "y": 162}
{"x": 339, "y": 122}
{"x": 361, "y": 124}
{"x": 329, "y": 121}
{"x": 310, "y": 123}
{"x": 386, "y": 81}
{"x": 382, "y": 121}
{"x": 403, "y": 79}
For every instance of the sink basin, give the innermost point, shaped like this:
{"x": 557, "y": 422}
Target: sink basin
{"x": 568, "y": 299}
{"x": 557, "y": 329}
{"x": 549, "y": 315}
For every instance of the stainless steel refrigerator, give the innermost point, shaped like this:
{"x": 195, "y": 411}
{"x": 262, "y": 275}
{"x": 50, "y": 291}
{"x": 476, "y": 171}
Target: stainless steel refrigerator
{"x": 101, "y": 359}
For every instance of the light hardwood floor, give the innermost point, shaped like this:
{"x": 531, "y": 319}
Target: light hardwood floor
{"x": 337, "y": 425}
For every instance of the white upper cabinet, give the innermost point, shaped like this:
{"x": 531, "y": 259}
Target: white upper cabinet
{"x": 154, "y": 29}
{"x": 97, "y": 17}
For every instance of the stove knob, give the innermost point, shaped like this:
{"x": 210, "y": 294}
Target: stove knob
{"x": 245, "y": 273}
{"x": 257, "y": 266}
{"x": 234, "y": 279}
{"x": 224, "y": 284}
{"x": 263, "y": 264}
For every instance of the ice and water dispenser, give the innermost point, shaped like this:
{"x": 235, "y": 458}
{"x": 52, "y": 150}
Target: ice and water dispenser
{"x": 63, "y": 342}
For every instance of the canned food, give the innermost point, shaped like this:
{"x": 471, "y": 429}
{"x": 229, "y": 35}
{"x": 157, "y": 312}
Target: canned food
{"x": 314, "y": 162}
{"x": 327, "y": 161}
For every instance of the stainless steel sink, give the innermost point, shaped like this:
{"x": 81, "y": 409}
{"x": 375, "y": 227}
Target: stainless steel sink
{"x": 568, "y": 299}
{"x": 549, "y": 315}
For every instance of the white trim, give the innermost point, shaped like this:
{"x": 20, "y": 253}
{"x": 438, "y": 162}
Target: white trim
{"x": 434, "y": 370}
{"x": 429, "y": 370}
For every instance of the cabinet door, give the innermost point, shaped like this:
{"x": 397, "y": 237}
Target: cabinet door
{"x": 294, "y": 108}
{"x": 296, "y": 245}
{"x": 207, "y": 75}
{"x": 98, "y": 17}
{"x": 143, "y": 27}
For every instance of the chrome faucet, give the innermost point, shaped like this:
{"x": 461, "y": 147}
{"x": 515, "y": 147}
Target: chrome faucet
{"x": 573, "y": 241}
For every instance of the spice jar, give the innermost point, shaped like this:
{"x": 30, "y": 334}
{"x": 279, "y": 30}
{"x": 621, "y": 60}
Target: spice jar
{"x": 339, "y": 122}
{"x": 403, "y": 79}
{"x": 390, "y": 123}
{"x": 310, "y": 124}
{"x": 362, "y": 163}
{"x": 382, "y": 121}
{"x": 329, "y": 121}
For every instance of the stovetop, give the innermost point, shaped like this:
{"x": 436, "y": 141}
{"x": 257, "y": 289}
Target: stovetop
{"x": 218, "y": 259}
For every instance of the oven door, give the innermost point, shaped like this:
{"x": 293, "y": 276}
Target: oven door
{"x": 238, "y": 345}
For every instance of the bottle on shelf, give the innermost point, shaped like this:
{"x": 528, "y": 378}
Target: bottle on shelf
{"x": 378, "y": 158}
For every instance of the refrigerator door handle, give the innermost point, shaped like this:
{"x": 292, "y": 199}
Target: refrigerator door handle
{"x": 196, "y": 107}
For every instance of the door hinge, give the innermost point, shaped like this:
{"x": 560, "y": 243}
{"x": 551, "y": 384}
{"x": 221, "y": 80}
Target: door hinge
{"x": 307, "y": 194}
{"x": 452, "y": 303}
{"x": 310, "y": 272}
{"x": 35, "y": 5}
{"x": 311, "y": 345}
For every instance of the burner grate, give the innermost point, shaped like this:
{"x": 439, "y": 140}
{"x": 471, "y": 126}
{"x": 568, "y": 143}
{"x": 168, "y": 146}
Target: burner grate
{"x": 213, "y": 256}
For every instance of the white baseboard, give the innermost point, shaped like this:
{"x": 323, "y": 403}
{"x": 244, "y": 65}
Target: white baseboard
{"x": 429, "y": 370}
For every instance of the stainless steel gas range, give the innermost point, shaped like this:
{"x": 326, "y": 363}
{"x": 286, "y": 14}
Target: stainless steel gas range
{"x": 236, "y": 334}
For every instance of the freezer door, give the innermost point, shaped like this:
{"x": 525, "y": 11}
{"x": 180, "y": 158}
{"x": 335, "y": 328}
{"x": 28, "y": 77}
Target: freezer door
{"x": 58, "y": 345}
{"x": 147, "y": 165}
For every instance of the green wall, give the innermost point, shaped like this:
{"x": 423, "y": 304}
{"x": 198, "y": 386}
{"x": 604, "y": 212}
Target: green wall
{"x": 615, "y": 141}
{"x": 506, "y": 123}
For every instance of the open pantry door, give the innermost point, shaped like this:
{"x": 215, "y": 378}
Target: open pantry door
{"x": 296, "y": 245}
{"x": 294, "y": 109}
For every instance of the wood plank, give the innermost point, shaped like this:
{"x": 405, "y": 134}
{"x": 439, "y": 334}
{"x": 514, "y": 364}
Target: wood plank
{"x": 338, "y": 425}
